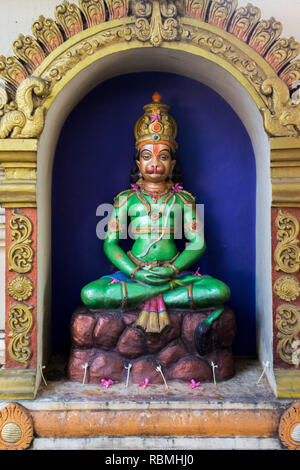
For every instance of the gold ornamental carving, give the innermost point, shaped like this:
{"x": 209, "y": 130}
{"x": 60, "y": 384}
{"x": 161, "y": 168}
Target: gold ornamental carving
{"x": 282, "y": 52}
{"x": 196, "y": 8}
{"x": 289, "y": 427}
{"x": 153, "y": 23}
{"x": 225, "y": 50}
{"x": 12, "y": 71}
{"x": 20, "y": 323}
{"x": 291, "y": 73}
{"x": 26, "y": 119}
{"x": 284, "y": 119}
{"x": 287, "y": 252}
{"x": 60, "y": 67}
{"x": 20, "y": 253}
{"x": 68, "y": 15}
{"x": 243, "y": 21}
{"x": 288, "y": 325}
{"x": 29, "y": 51}
{"x": 264, "y": 34}
{"x": 20, "y": 288}
{"x": 156, "y": 22}
{"x": 47, "y": 33}
{"x": 16, "y": 427}
{"x": 220, "y": 12}
{"x": 117, "y": 8}
{"x": 93, "y": 10}
{"x": 287, "y": 288}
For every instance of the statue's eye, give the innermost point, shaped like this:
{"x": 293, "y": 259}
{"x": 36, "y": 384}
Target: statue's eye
{"x": 164, "y": 156}
{"x": 146, "y": 156}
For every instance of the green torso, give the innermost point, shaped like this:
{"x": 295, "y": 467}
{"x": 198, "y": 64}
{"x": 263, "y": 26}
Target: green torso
{"x": 165, "y": 248}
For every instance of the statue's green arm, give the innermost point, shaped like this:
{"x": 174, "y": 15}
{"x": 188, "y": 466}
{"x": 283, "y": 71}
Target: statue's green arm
{"x": 194, "y": 233}
{"x": 118, "y": 221}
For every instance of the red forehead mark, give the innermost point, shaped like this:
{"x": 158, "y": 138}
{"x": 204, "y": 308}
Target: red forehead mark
{"x": 156, "y": 149}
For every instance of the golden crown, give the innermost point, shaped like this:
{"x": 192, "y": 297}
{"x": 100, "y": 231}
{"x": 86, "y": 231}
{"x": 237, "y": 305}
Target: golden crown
{"x": 156, "y": 126}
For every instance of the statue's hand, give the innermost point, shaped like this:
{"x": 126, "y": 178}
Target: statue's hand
{"x": 152, "y": 279}
{"x": 163, "y": 272}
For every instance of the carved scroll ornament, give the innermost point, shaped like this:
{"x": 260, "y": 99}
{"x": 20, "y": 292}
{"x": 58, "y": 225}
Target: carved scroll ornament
{"x": 287, "y": 252}
{"x": 288, "y": 325}
{"x": 20, "y": 323}
{"x": 20, "y": 253}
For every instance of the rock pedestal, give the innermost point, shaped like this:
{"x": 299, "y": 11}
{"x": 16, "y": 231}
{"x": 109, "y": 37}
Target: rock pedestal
{"x": 108, "y": 341}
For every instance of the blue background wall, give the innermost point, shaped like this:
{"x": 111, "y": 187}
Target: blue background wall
{"x": 92, "y": 164}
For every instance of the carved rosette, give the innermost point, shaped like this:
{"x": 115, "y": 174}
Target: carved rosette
{"x": 287, "y": 252}
{"x": 20, "y": 323}
{"x": 48, "y": 33}
{"x": 93, "y": 10}
{"x": 16, "y": 427}
{"x": 288, "y": 325}
{"x": 29, "y": 51}
{"x": 287, "y": 288}
{"x": 221, "y": 11}
{"x": 68, "y": 16}
{"x": 20, "y": 288}
{"x": 289, "y": 427}
{"x": 20, "y": 253}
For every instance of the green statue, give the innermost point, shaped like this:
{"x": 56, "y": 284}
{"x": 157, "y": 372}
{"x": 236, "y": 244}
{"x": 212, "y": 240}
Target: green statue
{"x": 154, "y": 274}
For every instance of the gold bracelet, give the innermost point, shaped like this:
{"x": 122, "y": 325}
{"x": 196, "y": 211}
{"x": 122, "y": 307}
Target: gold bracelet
{"x": 133, "y": 273}
{"x": 176, "y": 270}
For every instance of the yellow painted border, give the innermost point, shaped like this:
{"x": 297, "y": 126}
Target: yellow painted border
{"x": 287, "y": 383}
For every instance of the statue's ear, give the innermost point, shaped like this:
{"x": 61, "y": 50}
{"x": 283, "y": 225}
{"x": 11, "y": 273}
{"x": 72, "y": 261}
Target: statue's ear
{"x": 138, "y": 164}
{"x": 173, "y": 163}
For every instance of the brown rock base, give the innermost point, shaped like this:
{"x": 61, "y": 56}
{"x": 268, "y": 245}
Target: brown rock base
{"x": 108, "y": 341}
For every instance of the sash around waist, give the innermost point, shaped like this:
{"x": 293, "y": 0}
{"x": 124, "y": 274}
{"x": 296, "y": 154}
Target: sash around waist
{"x": 140, "y": 262}
{"x": 156, "y": 230}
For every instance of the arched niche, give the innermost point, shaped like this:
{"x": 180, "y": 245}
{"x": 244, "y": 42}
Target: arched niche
{"x": 228, "y": 49}
{"x": 199, "y": 69}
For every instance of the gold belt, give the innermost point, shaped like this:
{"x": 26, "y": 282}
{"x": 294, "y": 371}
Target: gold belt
{"x": 140, "y": 262}
{"x": 154, "y": 230}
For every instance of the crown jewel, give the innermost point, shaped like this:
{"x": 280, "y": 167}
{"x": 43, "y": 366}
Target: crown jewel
{"x": 156, "y": 125}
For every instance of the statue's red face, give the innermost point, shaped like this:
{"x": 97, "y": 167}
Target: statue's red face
{"x": 155, "y": 162}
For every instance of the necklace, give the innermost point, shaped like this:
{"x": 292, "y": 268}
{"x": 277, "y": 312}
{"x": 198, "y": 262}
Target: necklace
{"x": 155, "y": 195}
{"x": 155, "y": 214}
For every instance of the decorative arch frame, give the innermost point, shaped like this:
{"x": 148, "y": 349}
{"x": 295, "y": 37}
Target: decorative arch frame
{"x": 237, "y": 41}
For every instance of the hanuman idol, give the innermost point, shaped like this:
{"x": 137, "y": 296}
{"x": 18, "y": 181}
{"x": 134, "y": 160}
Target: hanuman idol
{"x": 155, "y": 276}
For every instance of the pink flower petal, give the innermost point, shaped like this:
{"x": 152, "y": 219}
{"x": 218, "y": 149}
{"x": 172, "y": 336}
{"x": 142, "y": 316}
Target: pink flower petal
{"x": 134, "y": 187}
{"x": 194, "y": 384}
{"x": 144, "y": 383}
{"x": 106, "y": 383}
{"x": 177, "y": 188}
